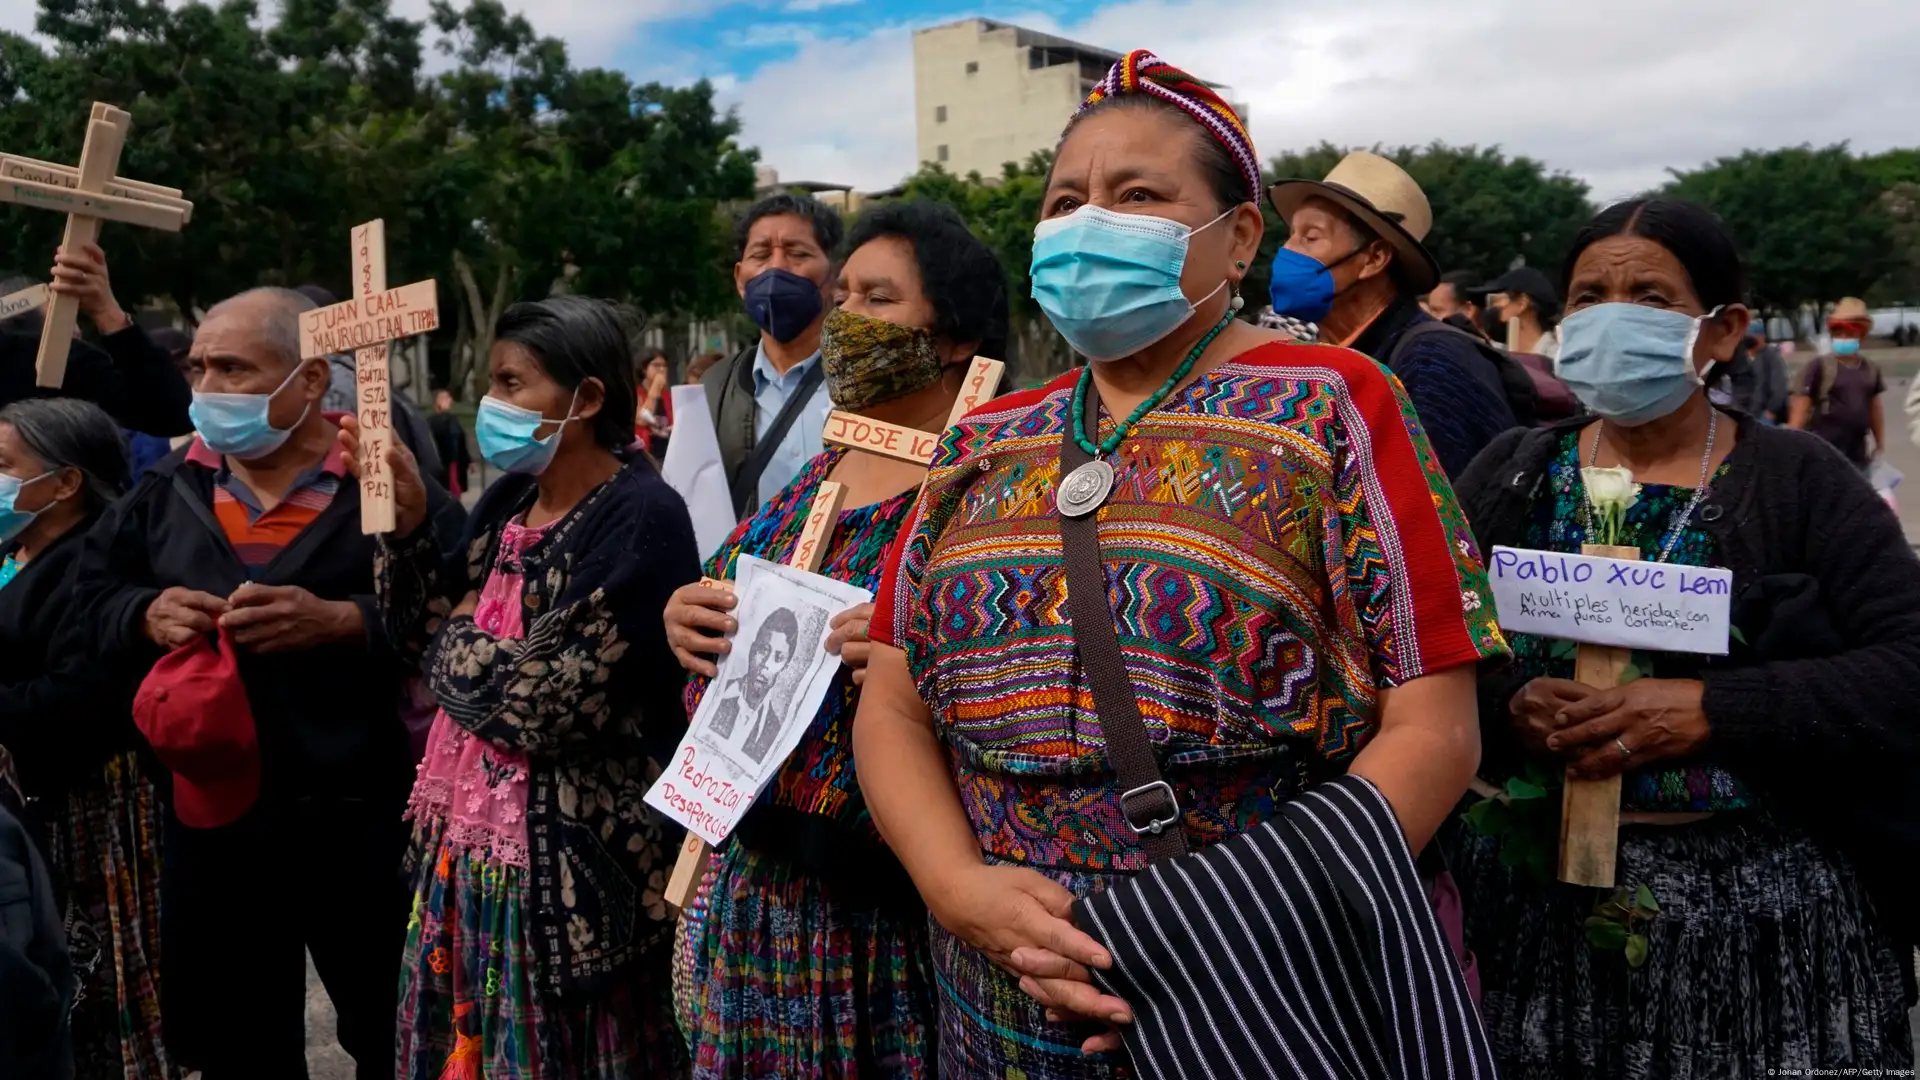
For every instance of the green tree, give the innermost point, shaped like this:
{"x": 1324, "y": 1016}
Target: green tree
{"x": 1898, "y": 173}
{"x": 1811, "y": 222}
{"x": 508, "y": 176}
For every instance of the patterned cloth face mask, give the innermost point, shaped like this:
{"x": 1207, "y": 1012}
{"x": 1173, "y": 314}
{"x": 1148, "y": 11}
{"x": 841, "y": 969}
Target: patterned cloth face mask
{"x": 867, "y": 361}
{"x": 1110, "y": 282}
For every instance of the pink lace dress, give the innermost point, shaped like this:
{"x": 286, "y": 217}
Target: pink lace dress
{"x": 469, "y": 1003}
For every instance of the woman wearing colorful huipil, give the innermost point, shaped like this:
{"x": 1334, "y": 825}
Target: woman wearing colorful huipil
{"x": 1765, "y": 919}
{"x": 67, "y": 729}
{"x": 538, "y": 944}
{"x": 1295, "y": 592}
{"x": 806, "y": 953}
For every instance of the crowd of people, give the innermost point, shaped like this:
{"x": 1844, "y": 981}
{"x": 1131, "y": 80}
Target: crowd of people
{"x": 1238, "y": 552}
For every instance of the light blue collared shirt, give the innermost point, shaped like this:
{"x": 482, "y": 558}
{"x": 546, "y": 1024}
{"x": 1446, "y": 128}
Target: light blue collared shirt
{"x": 803, "y": 442}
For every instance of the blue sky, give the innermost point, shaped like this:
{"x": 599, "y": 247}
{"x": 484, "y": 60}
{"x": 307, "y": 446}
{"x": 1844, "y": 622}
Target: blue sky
{"x": 738, "y": 39}
{"x": 1612, "y": 91}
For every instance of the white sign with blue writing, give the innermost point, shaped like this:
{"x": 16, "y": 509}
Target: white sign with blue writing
{"x": 1598, "y": 601}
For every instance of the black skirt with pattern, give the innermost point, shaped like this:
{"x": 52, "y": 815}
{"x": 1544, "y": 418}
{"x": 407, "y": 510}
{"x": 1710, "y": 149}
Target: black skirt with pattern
{"x": 1765, "y": 960}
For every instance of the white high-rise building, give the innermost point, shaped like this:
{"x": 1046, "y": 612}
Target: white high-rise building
{"x": 986, "y": 93}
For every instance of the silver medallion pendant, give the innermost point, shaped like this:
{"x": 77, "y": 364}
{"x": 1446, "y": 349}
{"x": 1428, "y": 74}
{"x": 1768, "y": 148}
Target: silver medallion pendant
{"x": 1086, "y": 488}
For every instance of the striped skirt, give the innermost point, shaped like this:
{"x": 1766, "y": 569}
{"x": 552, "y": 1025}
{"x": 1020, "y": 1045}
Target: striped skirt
{"x": 1764, "y": 960}
{"x": 105, "y": 843}
{"x": 776, "y": 978}
{"x": 470, "y": 1003}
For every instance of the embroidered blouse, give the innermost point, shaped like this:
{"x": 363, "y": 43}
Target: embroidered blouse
{"x": 1280, "y": 545}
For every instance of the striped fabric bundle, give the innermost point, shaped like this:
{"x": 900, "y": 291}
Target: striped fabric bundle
{"x": 1303, "y": 948}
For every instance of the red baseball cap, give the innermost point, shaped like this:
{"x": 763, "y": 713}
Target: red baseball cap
{"x": 193, "y": 709}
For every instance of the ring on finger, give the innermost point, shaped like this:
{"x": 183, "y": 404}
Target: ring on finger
{"x": 1624, "y": 752}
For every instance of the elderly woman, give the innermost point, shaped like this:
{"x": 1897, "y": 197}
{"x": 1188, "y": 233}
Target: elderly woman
{"x": 1293, "y": 588}
{"x": 68, "y": 732}
{"x": 808, "y": 949}
{"x": 538, "y": 944}
{"x": 1767, "y": 792}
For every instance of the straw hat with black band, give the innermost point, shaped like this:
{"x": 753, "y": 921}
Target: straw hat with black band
{"x": 1381, "y": 195}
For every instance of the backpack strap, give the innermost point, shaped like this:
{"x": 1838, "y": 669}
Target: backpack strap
{"x": 1823, "y": 390}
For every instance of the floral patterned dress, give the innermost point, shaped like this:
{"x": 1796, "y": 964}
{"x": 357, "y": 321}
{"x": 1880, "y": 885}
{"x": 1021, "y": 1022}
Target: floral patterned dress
{"x": 471, "y": 1003}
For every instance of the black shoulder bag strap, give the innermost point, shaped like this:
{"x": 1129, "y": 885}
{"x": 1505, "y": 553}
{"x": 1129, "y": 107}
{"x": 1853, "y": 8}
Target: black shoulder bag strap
{"x": 1147, "y": 801}
{"x": 746, "y": 485}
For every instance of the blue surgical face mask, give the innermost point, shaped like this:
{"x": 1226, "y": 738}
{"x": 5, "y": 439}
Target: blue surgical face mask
{"x": 782, "y": 303}
{"x": 14, "y": 521}
{"x": 238, "y": 425}
{"x": 1846, "y": 346}
{"x": 505, "y": 434}
{"x": 1628, "y": 362}
{"x": 1301, "y": 286}
{"x": 1110, "y": 283}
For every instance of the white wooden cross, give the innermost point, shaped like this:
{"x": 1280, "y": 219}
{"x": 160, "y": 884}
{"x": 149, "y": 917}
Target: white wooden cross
{"x": 88, "y": 195}
{"x": 844, "y": 429}
{"x": 365, "y": 324}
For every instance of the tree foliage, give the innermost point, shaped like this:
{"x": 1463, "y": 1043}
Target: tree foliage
{"x": 511, "y": 170}
{"x": 1812, "y": 223}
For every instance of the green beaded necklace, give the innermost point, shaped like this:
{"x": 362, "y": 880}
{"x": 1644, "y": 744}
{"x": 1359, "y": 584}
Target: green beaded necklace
{"x": 1107, "y": 446}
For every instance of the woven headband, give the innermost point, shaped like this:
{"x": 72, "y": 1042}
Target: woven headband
{"x": 1141, "y": 72}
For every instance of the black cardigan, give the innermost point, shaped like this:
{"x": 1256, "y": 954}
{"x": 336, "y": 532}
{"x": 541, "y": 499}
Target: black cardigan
{"x": 1820, "y": 708}
{"x": 58, "y": 718}
{"x": 590, "y": 692}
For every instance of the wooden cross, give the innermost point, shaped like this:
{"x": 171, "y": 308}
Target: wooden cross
{"x": 1590, "y": 809}
{"x": 88, "y": 195}
{"x": 365, "y": 324}
{"x": 852, "y": 432}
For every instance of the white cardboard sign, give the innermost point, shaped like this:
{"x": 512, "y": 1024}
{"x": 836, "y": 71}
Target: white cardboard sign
{"x": 694, "y": 469}
{"x": 1599, "y": 601}
{"x": 768, "y": 691}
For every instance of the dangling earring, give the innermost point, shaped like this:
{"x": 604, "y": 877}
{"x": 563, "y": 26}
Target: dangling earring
{"x": 1238, "y": 301}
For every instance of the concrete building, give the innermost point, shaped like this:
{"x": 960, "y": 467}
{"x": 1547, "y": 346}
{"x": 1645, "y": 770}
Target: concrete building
{"x": 986, "y": 93}
{"x": 841, "y": 197}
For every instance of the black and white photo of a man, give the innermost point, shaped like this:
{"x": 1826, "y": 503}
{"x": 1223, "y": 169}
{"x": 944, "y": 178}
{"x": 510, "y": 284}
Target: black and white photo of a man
{"x": 750, "y": 697}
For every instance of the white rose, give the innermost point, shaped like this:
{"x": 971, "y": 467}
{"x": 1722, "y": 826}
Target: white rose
{"x": 1610, "y": 490}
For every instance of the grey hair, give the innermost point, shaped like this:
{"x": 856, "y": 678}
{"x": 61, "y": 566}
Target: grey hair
{"x": 278, "y": 319}
{"x": 67, "y": 433}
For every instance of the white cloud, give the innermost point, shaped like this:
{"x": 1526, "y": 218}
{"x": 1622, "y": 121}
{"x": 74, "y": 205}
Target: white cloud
{"x": 837, "y": 112}
{"x": 1612, "y": 92}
